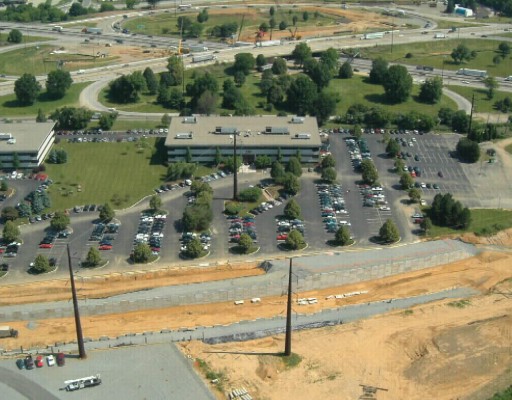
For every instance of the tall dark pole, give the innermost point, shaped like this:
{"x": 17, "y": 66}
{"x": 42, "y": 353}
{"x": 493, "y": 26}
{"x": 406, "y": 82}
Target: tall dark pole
{"x": 235, "y": 167}
{"x": 78, "y": 325}
{"x": 471, "y": 115}
{"x": 288, "y": 338}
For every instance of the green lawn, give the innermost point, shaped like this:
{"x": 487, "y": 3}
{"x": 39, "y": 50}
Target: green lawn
{"x": 106, "y": 172}
{"x": 39, "y": 61}
{"x": 26, "y": 39}
{"x": 482, "y": 220}
{"x": 9, "y": 105}
{"x": 443, "y": 24}
{"x": 435, "y": 52}
{"x": 356, "y": 90}
{"x": 509, "y": 149}
{"x": 482, "y": 103}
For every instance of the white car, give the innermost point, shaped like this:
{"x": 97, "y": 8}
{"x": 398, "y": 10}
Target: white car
{"x": 385, "y": 208}
{"x": 465, "y": 82}
{"x": 50, "y": 360}
{"x": 423, "y": 185}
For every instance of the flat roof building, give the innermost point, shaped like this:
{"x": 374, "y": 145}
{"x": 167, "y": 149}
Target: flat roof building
{"x": 199, "y": 137}
{"x": 30, "y": 141}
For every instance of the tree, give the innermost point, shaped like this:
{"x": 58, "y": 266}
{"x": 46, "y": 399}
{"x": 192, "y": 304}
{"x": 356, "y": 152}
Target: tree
{"x": 295, "y": 19}
{"x": 301, "y": 94}
{"x": 370, "y": 174}
{"x": 496, "y": 59}
{"x": 398, "y": 84}
{"x": 194, "y": 248}
{"x": 10, "y": 233}
{"x": 328, "y": 161}
{"x": 57, "y": 83}
{"x": 93, "y": 257}
{"x": 41, "y": 117}
{"x": 166, "y": 119}
{"x": 504, "y": 49}
{"x": 151, "y": 81}
{"x": 239, "y": 77}
{"x": 379, "y": 71}
{"x": 301, "y": 53}
{"x": 272, "y": 11}
{"x": 71, "y": 118}
{"x": 279, "y": 66}
{"x": 291, "y": 183}
{"x": 155, "y": 202}
{"x": 292, "y": 210}
{"x": 283, "y": 25}
{"x": 60, "y": 221}
{"x": 450, "y": 7}
{"x": 272, "y": 23}
{"x": 295, "y": 240}
{"x": 250, "y": 195}
{"x": 15, "y": 36}
{"x": 491, "y": 84}
{"x": 3, "y": 186}
{"x": 468, "y": 150}
{"x": 329, "y": 174}
{"x": 10, "y": 213}
{"x": 153, "y": 3}
{"x": 107, "y": 213}
{"x": 201, "y": 84}
{"x": 294, "y": 166}
{"x": 329, "y": 58}
{"x": 207, "y": 103}
{"x": 277, "y": 171}
{"x": 15, "y": 160}
{"x": 392, "y": 148}
{"x": 244, "y": 62}
{"x": 245, "y": 243}
{"x": 175, "y": 68}
{"x": 263, "y": 27}
{"x": 445, "y": 115}
{"x": 414, "y": 195}
{"x": 426, "y": 225}
{"x": 389, "y": 232}
{"x": 127, "y": 88}
{"x": 41, "y": 265}
{"x": 27, "y": 89}
{"x": 323, "y": 107}
{"x": 77, "y": 9}
{"x": 460, "y": 121}
{"x": 461, "y": 53}
{"x": 431, "y": 90}
{"x": 342, "y": 236}
{"x": 141, "y": 253}
{"x": 130, "y": 4}
{"x": 260, "y": 61}
{"x": 305, "y": 16}
{"x": 345, "y": 71}
{"x": 107, "y": 120}
{"x": 319, "y": 73}
{"x": 406, "y": 181}
{"x": 262, "y": 161}
{"x": 202, "y": 16}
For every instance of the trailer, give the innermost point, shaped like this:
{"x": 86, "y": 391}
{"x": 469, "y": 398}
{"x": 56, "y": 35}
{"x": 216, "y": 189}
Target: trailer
{"x": 197, "y": 49}
{"x": 7, "y": 331}
{"x": 268, "y": 43}
{"x": 439, "y": 36}
{"x": 479, "y": 73}
{"x": 465, "y": 12}
{"x": 96, "y": 31}
{"x": 81, "y": 383}
{"x": 203, "y": 58}
{"x": 374, "y": 35}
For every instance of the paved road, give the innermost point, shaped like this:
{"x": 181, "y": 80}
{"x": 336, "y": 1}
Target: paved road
{"x": 24, "y": 386}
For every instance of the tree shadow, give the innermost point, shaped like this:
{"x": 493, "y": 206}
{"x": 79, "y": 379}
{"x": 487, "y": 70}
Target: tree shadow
{"x": 159, "y": 156}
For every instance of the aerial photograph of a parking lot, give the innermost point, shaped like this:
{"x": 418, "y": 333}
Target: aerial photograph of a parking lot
{"x": 255, "y": 200}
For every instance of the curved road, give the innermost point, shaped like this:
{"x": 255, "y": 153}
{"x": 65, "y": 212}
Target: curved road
{"x": 24, "y": 386}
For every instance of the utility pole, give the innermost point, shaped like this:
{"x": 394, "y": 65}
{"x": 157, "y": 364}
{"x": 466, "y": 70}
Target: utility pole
{"x": 288, "y": 338}
{"x": 471, "y": 114}
{"x": 78, "y": 325}
{"x": 235, "y": 172}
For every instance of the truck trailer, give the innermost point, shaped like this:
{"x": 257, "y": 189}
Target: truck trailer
{"x": 268, "y": 43}
{"x": 197, "y": 49}
{"x": 95, "y": 31}
{"x": 203, "y": 58}
{"x": 479, "y": 73}
{"x": 7, "y": 331}
{"x": 374, "y": 35}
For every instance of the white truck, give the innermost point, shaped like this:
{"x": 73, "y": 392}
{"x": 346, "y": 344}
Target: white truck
{"x": 88, "y": 381}
{"x": 7, "y": 331}
{"x": 439, "y": 36}
{"x": 268, "y": 43}
{"x": 197, "y": 48}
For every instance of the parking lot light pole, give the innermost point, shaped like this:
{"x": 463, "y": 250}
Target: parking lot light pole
{"x": 235, "y": 172}
{"x": 288, "y": 337}
{"x": 78, "y": 325}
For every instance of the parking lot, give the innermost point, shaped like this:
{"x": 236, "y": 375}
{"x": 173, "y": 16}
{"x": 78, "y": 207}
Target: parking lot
{"x": 145, "y": 372}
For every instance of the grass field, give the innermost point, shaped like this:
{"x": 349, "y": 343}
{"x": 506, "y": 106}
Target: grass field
{"x": 40, "y": 61}
{"x": 351, "y": 91}
{"x": 482, "y": 103}
{"x": 437, "y": 52}
{"x": 443, "y": 24}
{"x": 482, "y": 220}
{"x": 26, "y": 39}
{"x": 166, "y": 23}
{"x": 9, "y": 105}
{"x": 118, "y": 172}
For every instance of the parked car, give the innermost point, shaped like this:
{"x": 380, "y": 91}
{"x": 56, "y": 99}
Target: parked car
{"x": 39, "y": 361}
{"x": 61, "y": 359}
{"x": 20, "y": 363}
{"x": 29, "y": 362}
{"x": 50, "y": 360}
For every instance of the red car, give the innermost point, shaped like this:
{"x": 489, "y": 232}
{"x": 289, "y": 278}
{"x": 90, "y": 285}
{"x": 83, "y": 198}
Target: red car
{"x": 282, "y": 236}
{"x": 39, "y": 361}
{"x": 105, "y": 247}
{"x": 156, "y": 249}
{"x": 46, "y": 245}
{"x": 61, "y": 360}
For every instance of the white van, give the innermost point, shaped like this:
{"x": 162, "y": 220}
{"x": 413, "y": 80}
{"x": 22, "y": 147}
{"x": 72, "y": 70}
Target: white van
{"x": 508, "y": 78}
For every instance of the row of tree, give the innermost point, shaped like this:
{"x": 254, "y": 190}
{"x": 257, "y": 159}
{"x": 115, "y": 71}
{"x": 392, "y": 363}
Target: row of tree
{"x": 27, "y": 88}
{"x": 446, "y": 211}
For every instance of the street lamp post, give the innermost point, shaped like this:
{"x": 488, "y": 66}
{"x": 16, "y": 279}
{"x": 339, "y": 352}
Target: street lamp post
{"x": 78, "y": 325}
{"x": 235, "y": 170}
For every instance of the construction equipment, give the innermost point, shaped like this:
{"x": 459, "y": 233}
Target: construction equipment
{"x": 369, "y": 391}
{"x": 293, "y": 34}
